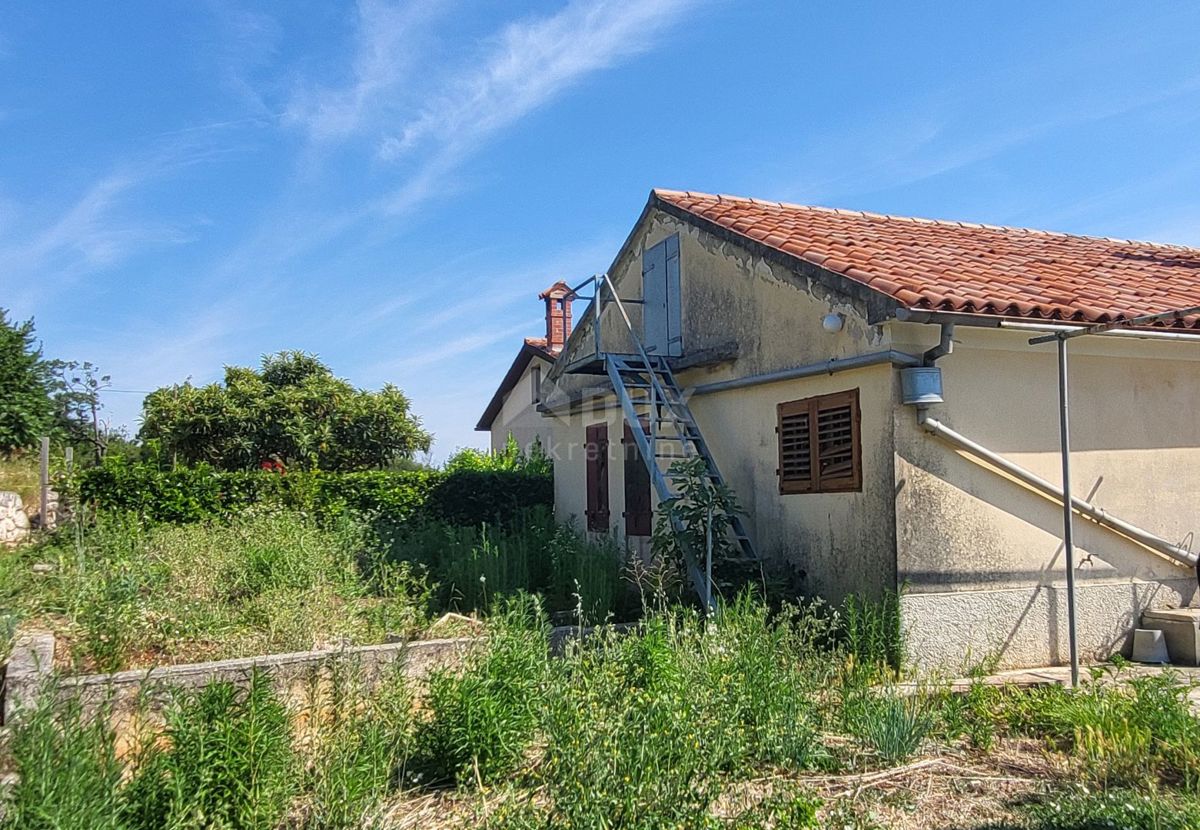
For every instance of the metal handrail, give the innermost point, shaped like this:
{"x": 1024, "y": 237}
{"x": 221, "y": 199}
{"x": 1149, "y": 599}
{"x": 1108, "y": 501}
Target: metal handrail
{"x": 657, "y": 389}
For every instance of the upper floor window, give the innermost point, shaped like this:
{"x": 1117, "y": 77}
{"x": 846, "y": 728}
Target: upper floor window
{"x": 535, "y": 384}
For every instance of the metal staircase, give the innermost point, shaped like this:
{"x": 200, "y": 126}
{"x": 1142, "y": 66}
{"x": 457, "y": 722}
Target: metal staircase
{"x": 664, "y": 430}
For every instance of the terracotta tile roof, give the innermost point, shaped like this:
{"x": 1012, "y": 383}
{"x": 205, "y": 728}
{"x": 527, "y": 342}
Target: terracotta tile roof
{"x": 964, "y": 267}
{"x": 539, "y": 343}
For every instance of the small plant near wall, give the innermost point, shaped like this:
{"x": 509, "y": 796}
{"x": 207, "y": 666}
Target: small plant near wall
{"x": 697, "y": 520}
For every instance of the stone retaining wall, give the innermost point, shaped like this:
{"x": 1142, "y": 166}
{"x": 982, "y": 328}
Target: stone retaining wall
{"x": 296, "y": 676}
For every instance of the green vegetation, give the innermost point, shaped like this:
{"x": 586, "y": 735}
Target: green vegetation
{"x": 122, "y": 595}
{"x": 26, "y": 409}
{"x": 196, "y": 494}
{"x": 292, "y": 411}
{"x": 749, "y": 720}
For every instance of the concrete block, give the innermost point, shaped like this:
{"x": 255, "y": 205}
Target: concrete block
{"x": 1181, "y": 630}
{"x": 1149, "y": 646}
{"x": 32, "y": 660}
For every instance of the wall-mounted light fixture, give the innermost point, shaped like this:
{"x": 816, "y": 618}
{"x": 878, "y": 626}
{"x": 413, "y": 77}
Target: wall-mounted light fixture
{"x": 833, "y": 322}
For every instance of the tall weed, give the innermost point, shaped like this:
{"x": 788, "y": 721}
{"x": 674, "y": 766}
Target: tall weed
{"x": 361, "y": 743}
{"x": 893, "y": 726}
{"x": 225, "y": 760}
{"x": 479, "y": 722}
{"x": 68, "y": 772}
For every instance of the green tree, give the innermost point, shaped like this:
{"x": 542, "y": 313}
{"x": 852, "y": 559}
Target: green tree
{"x": 75, "y": 389}
{"x": 292, "y": 410}
{"x": 26, "y": 410}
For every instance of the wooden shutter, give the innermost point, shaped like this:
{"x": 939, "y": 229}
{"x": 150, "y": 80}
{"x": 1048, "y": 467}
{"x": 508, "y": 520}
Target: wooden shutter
{"x": 795, "y": 447}
{"x": 820, "y": 447}
{"x": 662, "y": 309}
{"x": 597, "y": 477}
{"x": 639, "y": 512}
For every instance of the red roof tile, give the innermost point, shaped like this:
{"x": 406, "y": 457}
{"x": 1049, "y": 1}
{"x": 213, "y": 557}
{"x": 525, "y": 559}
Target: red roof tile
{"x": 964, "y": 267}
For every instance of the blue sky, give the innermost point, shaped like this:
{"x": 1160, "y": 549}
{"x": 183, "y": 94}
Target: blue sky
{"x": 389, "y": 184}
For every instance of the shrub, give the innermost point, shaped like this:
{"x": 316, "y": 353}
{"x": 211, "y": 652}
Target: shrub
{"x": 194, "y": 494}
{"x": 226, "y": 761}
{"x": 68, "y": 772}
{"x": 891, "y": 725}
{"x": 362, "y": 741}
{"x": 481, "y": 720}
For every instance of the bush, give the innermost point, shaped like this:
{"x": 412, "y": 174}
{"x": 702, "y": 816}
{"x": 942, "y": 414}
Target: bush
{"x": 68, "y": 772}
{"x": 481, "y": 720}
{"x": 227, "y": 761}
{"x": 194, "y": 494}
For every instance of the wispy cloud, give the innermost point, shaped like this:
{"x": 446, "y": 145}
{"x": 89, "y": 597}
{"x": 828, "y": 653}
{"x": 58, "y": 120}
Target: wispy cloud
{"x": 433, "y": 114}
{"x": 531, "y": 62}
{"x": 454, "y": 347}
{"x": 388, "y": 43}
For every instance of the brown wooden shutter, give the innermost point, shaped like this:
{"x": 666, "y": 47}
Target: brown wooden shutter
{"x": 795, "y": 447}
{"x": 839, "y": 466}
{"x": 820, "y": 444}
{"x": 639, "y": 512}
{"x": 597, "y": 477}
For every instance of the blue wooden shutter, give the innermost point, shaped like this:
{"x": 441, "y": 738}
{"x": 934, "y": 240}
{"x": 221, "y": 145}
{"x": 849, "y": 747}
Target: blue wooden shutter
{"x": 662, "y": 323}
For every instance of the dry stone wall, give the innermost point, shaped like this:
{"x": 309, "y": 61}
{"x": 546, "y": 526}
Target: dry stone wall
{"x": 14, "y": 522}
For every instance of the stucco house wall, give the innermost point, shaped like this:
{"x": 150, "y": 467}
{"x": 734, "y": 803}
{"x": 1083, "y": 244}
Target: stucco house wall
{"x": 980, "y": 555}
{"x": 519, "y": 415}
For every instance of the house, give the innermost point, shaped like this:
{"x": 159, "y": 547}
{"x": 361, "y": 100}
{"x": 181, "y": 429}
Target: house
{"x": 791, "y": 332}
{"x": 513, "y": 408}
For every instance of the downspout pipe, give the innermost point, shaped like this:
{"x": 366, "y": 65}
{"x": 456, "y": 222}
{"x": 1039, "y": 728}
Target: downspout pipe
{"x": 1177, "y": 554}
{"x": 944, "y": 347}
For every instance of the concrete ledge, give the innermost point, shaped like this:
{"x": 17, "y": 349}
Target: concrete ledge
{"x": 29, "y": 670}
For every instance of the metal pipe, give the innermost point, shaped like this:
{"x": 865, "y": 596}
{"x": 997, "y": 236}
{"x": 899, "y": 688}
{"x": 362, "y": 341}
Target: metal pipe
{"x": 1143, "y": 537}
{"x": 825, "y": 367}
{"x": 944, "y": 347}
{"x": 1129, "y": 334}
{"x": 1176, "y": 315}
{"x": 1064, "y": 433}
{"x": 991, "y": 321}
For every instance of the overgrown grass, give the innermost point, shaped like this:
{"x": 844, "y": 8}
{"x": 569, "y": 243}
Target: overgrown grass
{"x": 225, "y": 759}
{"x": 120, "y": 595}
{"x": 472, "y": 566}
{"x": 1139, "y": 733}
{"x": 653, "y": 727}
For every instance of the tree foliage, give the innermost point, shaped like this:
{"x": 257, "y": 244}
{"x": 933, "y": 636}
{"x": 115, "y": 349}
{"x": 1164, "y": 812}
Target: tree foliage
{"x": 26, "y": 409}
{"x": 293, "y": 410}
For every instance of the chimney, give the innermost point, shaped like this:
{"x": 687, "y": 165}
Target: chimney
{"x": 558, "y": 299}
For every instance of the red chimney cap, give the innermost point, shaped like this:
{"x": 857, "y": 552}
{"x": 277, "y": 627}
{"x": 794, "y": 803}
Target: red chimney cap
{"x": 559, "y": 289}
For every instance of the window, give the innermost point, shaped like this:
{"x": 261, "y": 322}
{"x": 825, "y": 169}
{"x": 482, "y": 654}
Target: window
{"x": 535, "y": 384}
{"x": 597, "y": 477}
{"x": 819, "y": 445}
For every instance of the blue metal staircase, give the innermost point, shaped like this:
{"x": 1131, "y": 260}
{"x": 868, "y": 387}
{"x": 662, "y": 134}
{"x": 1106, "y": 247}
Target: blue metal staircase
{"x": 664, "y": 430}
